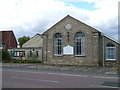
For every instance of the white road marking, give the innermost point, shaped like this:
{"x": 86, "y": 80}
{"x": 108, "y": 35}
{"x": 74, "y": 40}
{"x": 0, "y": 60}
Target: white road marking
{"x": 68, "y": 74}
{"x": 51, "y": 81}
{"x": 83, "y": 76}
{"x": 27, "y": 71}
{"x": 106, "y": 77}
{"x": 102, "y": 86}
{"x": 110, "y": 72}
{"x": 63, "y": 74}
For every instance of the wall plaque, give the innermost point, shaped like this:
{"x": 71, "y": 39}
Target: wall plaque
{"x": 68, "y": 50}
{"x": 68, "y": 26}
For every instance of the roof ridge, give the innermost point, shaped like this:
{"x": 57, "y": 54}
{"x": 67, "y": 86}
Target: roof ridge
{"x": 56, "y": 23}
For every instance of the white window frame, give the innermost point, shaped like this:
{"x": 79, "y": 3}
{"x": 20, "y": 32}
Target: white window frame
{"x": 114, "y": 53}
{"x": 16, "y": 53}
{"x": 83, "y": 46}
{"x": 56, "y": 46}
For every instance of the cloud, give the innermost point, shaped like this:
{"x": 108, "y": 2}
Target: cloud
{"x": 36, "y": 16}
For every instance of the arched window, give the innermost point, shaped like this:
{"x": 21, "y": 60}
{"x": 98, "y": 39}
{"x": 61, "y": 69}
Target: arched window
{"x": 80, "y": 44}
{"x": 110, "y": 51}
{"x": 58, "y": 49}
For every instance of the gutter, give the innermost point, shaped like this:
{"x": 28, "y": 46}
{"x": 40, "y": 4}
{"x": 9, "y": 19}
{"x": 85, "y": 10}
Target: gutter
{"x": 103, "y": 49}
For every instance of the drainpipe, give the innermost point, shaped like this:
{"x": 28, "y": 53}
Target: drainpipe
{"x": 103, "y": 50}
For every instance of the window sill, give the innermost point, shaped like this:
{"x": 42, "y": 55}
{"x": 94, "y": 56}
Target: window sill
{"x": 80, "y": 55}
{"x": 19, "y": 56}
{"x": 68, "y": 54}
{"x": 58, "y": 55}
{"x": 110, "y": 59}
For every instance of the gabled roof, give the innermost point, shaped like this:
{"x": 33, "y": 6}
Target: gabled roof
{"x": 68, "y": 16}
{"x": 34, "y": 41}
{"x": 33, "y": 37}
{"x": 36, "y": 35}
{"x": 110, "y": 38}
{"x": 6, "y": 35}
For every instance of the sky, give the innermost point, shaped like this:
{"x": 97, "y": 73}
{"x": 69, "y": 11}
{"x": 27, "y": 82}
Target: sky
{"x": 28, "y": 17}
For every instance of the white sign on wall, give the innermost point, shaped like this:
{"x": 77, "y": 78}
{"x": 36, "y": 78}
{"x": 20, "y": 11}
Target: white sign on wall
{"x": 68, "y": 50}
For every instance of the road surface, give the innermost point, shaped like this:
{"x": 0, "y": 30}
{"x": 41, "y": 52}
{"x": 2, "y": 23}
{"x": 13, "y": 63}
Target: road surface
{"x": 27, "y": 78}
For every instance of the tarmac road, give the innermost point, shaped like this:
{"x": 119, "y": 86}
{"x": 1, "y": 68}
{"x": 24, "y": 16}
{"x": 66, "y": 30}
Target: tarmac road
{"x": 31, "y": 78}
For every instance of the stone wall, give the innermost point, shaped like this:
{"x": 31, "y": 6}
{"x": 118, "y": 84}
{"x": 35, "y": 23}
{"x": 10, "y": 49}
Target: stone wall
{"x": 91, "y": 38}
{"x": 108, "y": 63}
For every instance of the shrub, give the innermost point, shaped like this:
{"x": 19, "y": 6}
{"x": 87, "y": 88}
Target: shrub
{"x": 26, "y": 61}
{"x": 5, "y": 55}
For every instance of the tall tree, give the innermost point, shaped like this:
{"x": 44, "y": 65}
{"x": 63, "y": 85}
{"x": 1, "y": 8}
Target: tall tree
{"x": 23, "y": 40}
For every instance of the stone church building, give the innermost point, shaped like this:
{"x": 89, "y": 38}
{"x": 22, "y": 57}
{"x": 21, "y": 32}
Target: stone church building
{"x": 72, "y": 42}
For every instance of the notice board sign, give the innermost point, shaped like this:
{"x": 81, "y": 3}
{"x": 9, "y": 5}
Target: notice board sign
{"x": 68, "y": 50}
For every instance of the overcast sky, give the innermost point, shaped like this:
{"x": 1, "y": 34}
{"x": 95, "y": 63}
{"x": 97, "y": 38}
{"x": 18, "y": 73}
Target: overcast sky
{"x": 28, "y": 17}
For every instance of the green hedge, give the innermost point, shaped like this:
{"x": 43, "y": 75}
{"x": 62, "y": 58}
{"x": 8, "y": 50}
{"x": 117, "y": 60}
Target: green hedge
{"x": 21, "y": 61}
{"x": 5, "y": 55}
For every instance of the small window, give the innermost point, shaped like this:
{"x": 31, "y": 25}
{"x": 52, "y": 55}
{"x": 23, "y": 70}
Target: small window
{"x": 19, "y": 53}
{"x": 22, "y": 53}
{"x": 16, "y": 54}
{"x": 110, "y": 51}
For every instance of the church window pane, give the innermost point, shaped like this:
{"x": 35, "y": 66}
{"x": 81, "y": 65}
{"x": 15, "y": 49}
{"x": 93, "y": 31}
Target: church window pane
{"x": 110, "y": 51}
{"x": 58, "y": 49}
{"x": 80, "y": 44}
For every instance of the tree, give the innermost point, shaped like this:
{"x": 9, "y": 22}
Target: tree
{"x": 23, "y": 40}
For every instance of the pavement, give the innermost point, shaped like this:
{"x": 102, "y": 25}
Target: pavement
{"x": 48, "y": 78}
{"x": 107, "y": 70}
